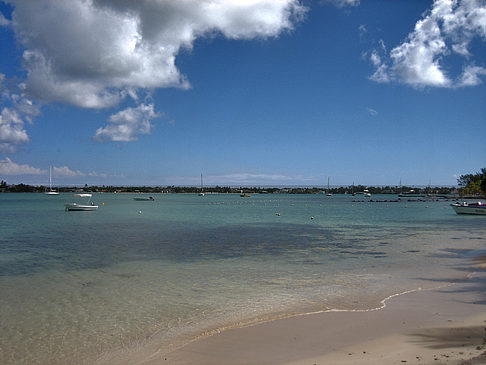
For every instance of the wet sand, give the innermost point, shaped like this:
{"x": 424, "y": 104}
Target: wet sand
{"x": 445, "y": 325}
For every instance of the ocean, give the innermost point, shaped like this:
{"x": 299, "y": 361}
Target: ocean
{"x": 146, "y": 276}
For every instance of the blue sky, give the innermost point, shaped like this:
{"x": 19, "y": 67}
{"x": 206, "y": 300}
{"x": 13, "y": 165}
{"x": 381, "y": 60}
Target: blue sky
{"x": 254, "y": 92}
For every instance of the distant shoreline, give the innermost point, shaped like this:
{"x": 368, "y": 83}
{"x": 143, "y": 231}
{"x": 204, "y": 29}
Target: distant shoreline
{"x": 448, "y": 191}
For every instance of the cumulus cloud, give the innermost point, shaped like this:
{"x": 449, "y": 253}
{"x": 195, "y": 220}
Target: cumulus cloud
{"x": 470, "y": 75}
{"x": 12, "y": 132}
{"x": 128, "y": 124}
{"x": 20, "y": 109}
{"x": 67, "y": 172}
{"x": 8, "y": 167}
{"x": 11, "y": 168}
{"x": 4, "y": 21}
{"x": 93, "y": 53}
{"x": 422, "y": 60}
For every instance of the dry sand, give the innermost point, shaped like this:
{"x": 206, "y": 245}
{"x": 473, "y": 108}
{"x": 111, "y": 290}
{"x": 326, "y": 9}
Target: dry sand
{"x": 446, "y": 325}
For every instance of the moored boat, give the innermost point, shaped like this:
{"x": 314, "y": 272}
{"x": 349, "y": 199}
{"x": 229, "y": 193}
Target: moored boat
{"x": 72, "y": 207}
{"x": 51, "y": 192}
{"x": 142, "y": 198}
{"x": 478, "y": 208}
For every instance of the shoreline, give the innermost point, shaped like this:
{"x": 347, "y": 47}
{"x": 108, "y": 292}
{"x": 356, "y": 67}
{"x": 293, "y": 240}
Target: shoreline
{"x": 421, "y": 326}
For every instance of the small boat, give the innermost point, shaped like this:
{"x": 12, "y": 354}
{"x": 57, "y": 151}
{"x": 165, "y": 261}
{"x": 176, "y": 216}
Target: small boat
{"x": 328, "y": 190}
{"x": 72, "y": 207}
{"x": 245, "y": 195}
{"x": 51, "y": 192}
{"x": 367, "y": 193}
{"x": 143, "y": 199}
{"x": 90, "y": 206}
{"x": 410, "y": 194}
{"x": 478, "y": 208}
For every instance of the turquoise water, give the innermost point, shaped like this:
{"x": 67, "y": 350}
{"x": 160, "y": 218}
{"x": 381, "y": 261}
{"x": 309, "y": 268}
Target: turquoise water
{"x": 80, "y": 287}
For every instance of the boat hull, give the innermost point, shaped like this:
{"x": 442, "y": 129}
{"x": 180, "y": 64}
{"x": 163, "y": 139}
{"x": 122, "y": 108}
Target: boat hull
{"x": 80, "y": 207}
{"x": 476, "y": 209}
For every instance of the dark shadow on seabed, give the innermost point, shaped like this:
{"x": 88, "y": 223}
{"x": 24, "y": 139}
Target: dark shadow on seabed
{"x": 460, "y": 339}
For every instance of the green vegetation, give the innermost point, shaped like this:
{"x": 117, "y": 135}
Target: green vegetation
{"x": 358, "y": 189}
{"x": 470, "y": 185}
{"x": 473, "y": 184}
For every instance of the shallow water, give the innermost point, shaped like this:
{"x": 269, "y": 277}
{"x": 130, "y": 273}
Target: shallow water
{"x": 77, "y": 286}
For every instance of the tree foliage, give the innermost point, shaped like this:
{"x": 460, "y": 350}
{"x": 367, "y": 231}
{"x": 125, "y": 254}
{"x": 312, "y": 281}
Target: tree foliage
{"x": 473, "y": 184}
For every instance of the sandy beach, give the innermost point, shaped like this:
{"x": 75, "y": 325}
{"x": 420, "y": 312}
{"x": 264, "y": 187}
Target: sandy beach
{"x": 444, "y": 325}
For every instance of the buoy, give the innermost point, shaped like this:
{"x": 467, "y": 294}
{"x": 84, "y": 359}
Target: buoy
{"x": 102, "y": 203}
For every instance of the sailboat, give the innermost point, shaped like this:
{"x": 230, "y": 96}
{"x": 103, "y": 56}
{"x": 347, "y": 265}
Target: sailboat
{"x": 51, "y": 192}
{"x": 328, "y": 190}
{"x": 201, "y": 193}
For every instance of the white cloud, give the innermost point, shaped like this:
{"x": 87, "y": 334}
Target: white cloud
{"x": 470, "y": 76}
{"x": 128, "y": 124}
{"x": 12, "y": 132}
{"x": 8, "y": 167}
{"x": 422, "y": 60}
{"x": 372, "y": 112}
{"x": 65, "y": 171}
{"x": 13, "y": 117}
{"x": 342, "y": 3}
{"x": 93, "y": 53}
{"x": 362, "y": 29}
{"x": 253, "y": 178}
{"x": 4, "y": 21}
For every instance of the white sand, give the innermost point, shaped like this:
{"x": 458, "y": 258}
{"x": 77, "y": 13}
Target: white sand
{"x": 437, "y": 326}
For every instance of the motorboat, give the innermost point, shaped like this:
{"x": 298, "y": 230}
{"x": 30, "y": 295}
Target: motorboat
{"x": 71, "y": 207}
{"x": 478, "y": 208}
{"x": 143, "y": 198}
{"x": 90, "y": 206}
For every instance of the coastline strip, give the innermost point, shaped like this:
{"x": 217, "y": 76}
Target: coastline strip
{"x": 337, "y": 335}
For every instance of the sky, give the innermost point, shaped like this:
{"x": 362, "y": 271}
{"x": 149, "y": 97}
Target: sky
{"x": 245, "y": 92}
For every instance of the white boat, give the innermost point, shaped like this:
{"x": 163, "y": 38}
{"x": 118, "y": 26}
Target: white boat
{"x": 51, "y": 192}
{"x": 328, "y": 190}
{"x": 367, "y": 193}
{"x": 478, "y": 208}
{"x": 90, "y": 206}
{"x": 70, "y": 207}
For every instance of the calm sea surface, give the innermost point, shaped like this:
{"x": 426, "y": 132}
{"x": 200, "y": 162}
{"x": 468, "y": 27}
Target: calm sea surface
{"x": 85, "y": 287}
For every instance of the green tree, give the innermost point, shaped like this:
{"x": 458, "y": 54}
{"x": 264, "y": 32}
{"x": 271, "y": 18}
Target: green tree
{"x": 474, "y": 184}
